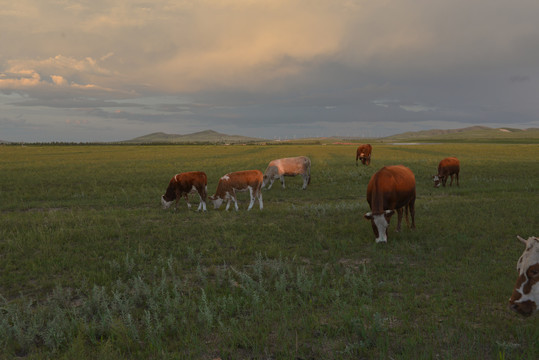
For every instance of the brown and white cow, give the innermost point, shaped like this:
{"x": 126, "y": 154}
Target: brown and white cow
{"x": 525, "y": 298}
{"x": 391, "y": 188}
{"x": 447, "y": 167}
{"x": 279, "y": 168}
{"x": 363, "y": 153}
{"x": 184, "y": 184}
{"x": 250, "y": 180}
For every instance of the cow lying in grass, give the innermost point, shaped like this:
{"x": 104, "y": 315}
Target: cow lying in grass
{"x": 278, "y": 169}
{"x": 525, "y": 297}
{"x": 248, "y": 180}
{"x": 185, "y": 184}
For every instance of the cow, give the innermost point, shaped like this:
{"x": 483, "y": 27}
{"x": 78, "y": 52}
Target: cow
{"x": 363, "y": 153}
{"x": 525, "y": 297}
{"x": 391, "y": 188}
{"x": 447, "y": 167}
{"x": 184, "y": 184}
{"x": 279, "y": 168}
{"x": 238, "y": 181}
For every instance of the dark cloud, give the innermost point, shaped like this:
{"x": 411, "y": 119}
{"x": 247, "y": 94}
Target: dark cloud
{"x": 336, "y": 66}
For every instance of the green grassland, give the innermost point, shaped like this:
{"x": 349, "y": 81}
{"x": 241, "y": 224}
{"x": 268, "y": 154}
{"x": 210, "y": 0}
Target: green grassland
{"x": 91, "y": 267}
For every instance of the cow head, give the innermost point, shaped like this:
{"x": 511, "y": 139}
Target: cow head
{"x": 380, "y": 223}
{"x": 437, "y": 180}
{"x": 525, "y": 297}
{"x": 365, "y": 160}
{"x": 271, "y": 173}
{"x": 216, "y": 200}
{"x": 362, "y": 158}
{"x": 265, "y": 181}
{"x": 165, "y": 202}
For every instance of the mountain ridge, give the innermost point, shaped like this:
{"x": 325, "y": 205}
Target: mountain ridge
{"x": 471, "y": 133}
{"x": 205, "y": 136}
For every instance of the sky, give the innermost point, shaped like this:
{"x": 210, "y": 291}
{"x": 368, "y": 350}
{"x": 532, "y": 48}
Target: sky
{"x": 111, "y": 70}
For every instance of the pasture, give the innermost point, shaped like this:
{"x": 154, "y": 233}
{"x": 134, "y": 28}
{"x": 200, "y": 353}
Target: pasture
{"x": 91, "y": 266}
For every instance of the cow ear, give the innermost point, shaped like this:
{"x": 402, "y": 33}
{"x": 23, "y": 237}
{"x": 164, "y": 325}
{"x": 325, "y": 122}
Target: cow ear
{"x": 389, "y": 212}
{"x": 522, "y": 240}
{"x": 368, "y": 216}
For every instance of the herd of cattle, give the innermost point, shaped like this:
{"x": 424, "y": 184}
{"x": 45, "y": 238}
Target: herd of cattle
{"x": 391, "y": 189}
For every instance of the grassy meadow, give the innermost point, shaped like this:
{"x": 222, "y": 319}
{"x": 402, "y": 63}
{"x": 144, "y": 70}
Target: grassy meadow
{"x": 91, "y": 266}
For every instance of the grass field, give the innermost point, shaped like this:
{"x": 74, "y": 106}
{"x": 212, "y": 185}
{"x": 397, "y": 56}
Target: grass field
{"x": 91, "y": 267}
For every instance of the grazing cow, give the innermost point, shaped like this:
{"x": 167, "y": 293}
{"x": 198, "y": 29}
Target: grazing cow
{"x": 238, "y": 181}
{"x": 184, "y": 184}
{"x": 525, "y": 298}
{"x": 278, "y": 169}
{"x": 363, "y": 153}
{"x": 447, "y": 167}
{"x": 391, "y": 188}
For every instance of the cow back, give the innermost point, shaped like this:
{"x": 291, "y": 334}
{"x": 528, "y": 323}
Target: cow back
{"x": 184, "y": 182}
{"x": 364, "y": 149}
{"x": 290, "y": 166}
{"x": 391, "y": 187}
{"x": 240, "y": 180}
{"x": 448, "y": 166}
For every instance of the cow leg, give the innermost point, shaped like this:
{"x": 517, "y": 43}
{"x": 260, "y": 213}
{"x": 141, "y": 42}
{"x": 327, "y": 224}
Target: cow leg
{"x": 282, "y": 181}
{"x": 305, "y": 181}
{"x": 399, "y": 219}
{"x": 271, "y": 183}
{"x": 202, "y": 196}
{"x": 457, "y": 175}
{"x": 406, "y": 208}
{"x": 235, "y": 199}
{"x": 251, "y": 203}
{"x": 202, "y": 204}
{"x": 187, "y": 200}
{"x": 260, "y": 203}
{"x": 451, "y": 183}
{"x": 411, "y": 206}
{"x": 228, "y": 199}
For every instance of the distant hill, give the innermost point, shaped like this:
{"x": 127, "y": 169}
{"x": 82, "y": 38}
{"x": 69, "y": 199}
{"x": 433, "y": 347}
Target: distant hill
{"x": 470, "y": 134}
{"x": 207, "y": 136}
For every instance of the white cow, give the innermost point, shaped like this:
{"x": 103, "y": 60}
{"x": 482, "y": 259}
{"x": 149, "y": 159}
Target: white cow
{"x": 278, "y": 169}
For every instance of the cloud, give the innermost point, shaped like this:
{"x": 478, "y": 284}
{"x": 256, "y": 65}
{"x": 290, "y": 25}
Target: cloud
{"x": 417, "y": 108}
{"x": 253, "y": 63}
{"x": 520, "y": 78}
{"x": 23, "y": 79}
{"x": 59, "y": 77}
